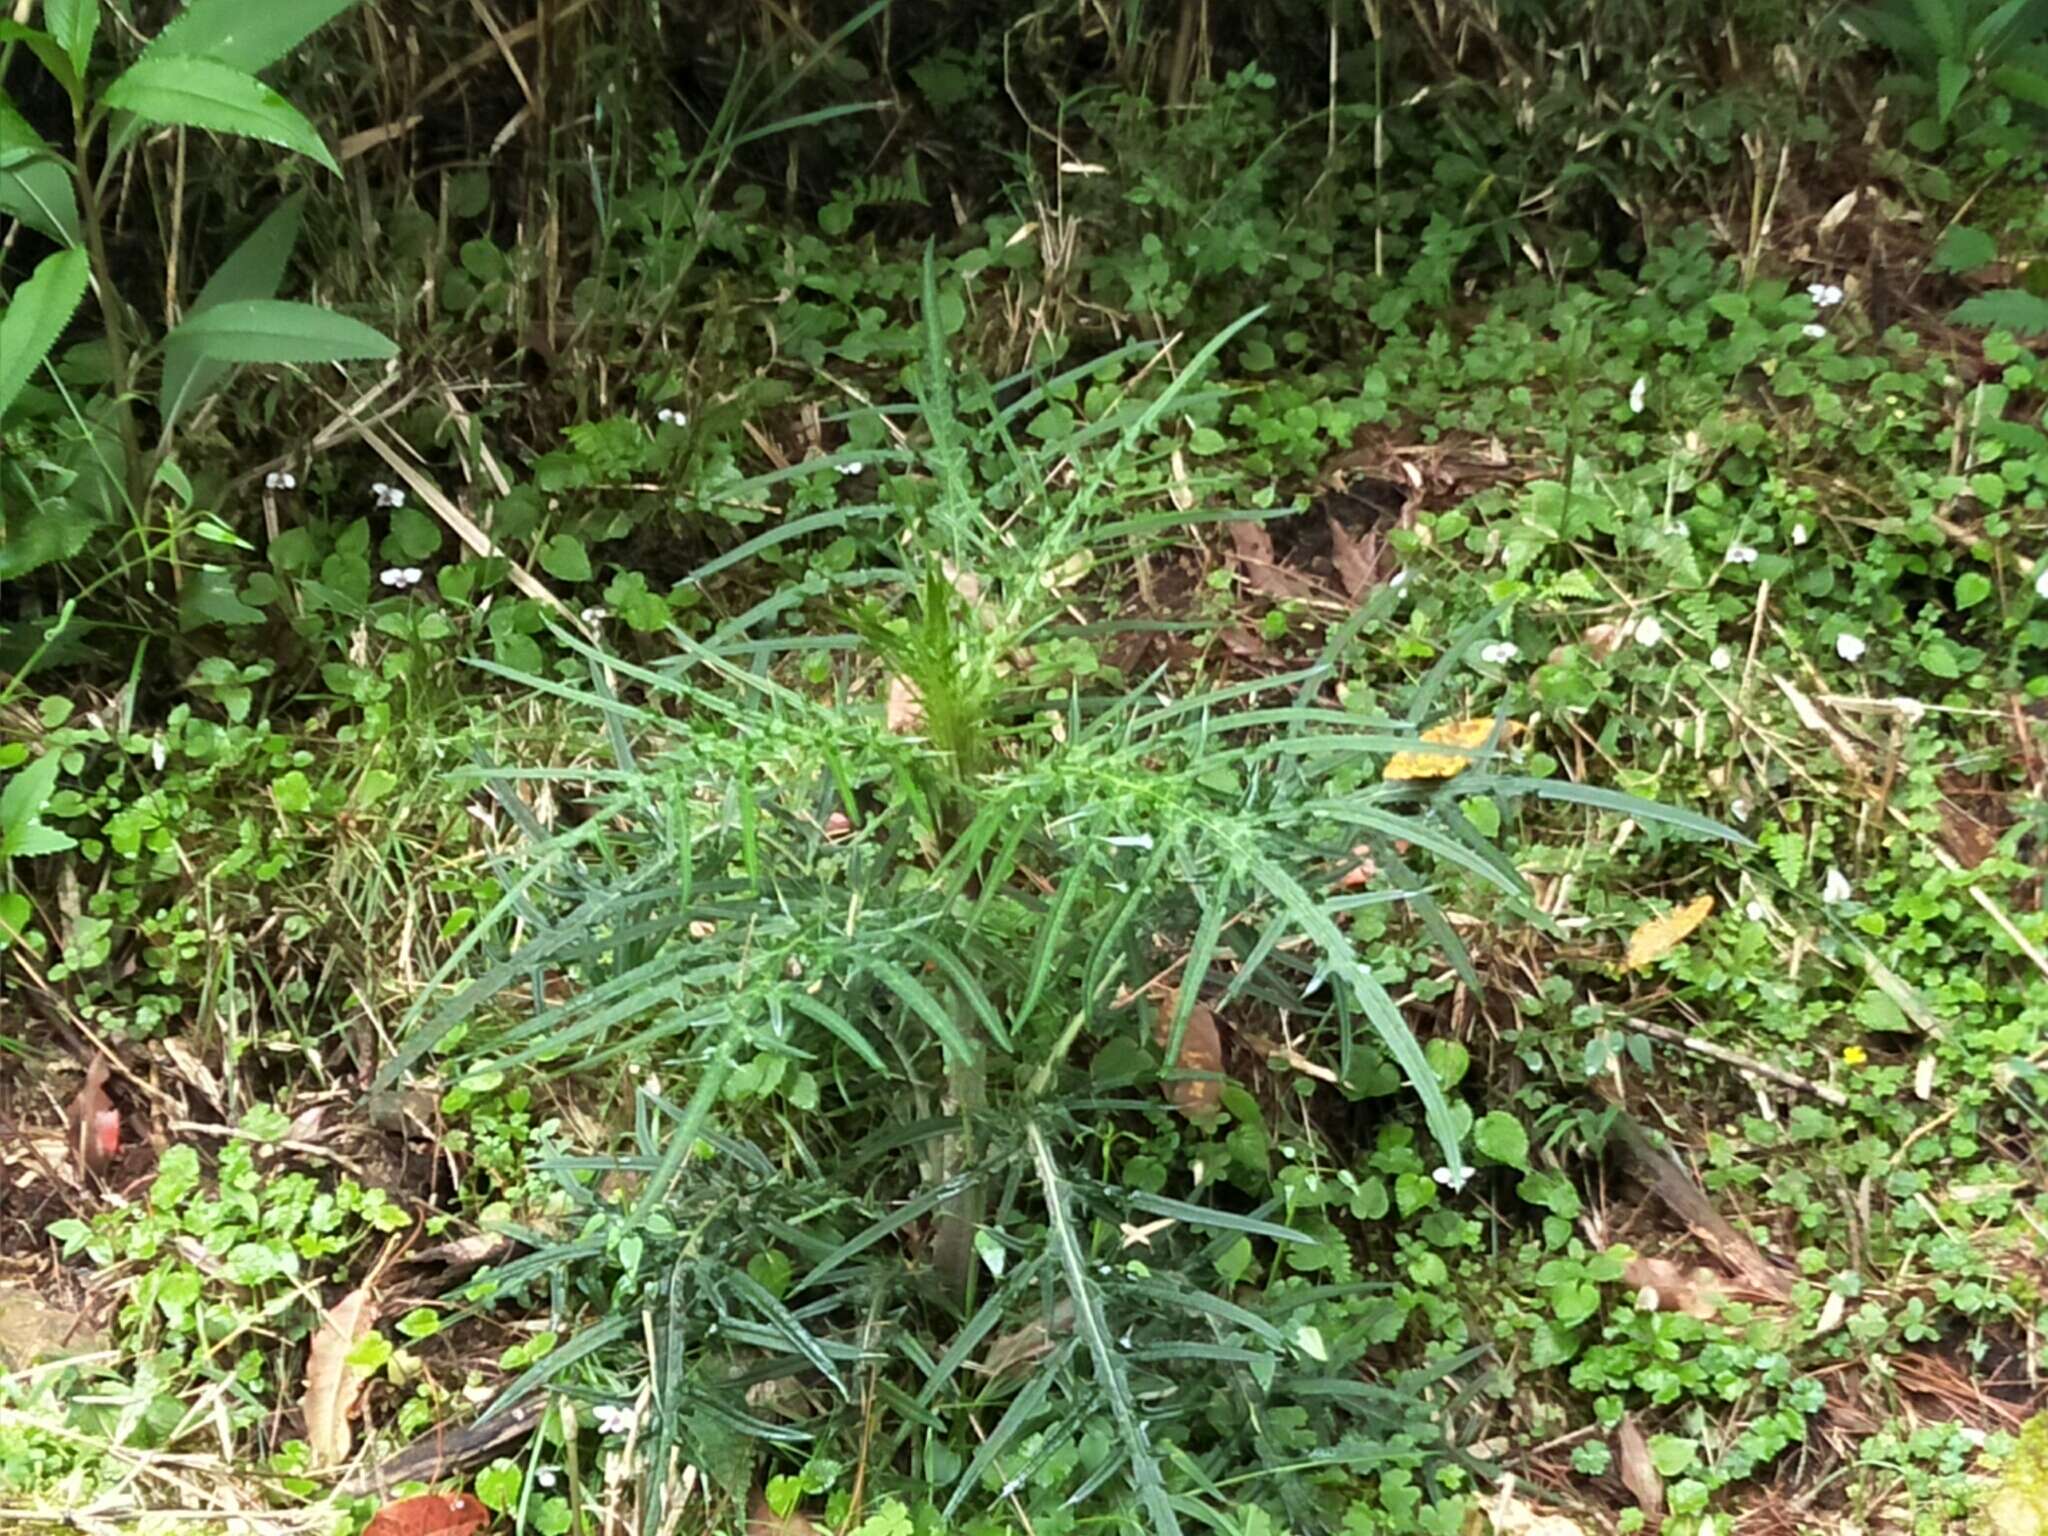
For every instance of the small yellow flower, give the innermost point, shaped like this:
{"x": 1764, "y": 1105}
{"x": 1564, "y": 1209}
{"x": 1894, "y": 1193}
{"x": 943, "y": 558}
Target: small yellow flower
{"x": 1855, "y": 1055}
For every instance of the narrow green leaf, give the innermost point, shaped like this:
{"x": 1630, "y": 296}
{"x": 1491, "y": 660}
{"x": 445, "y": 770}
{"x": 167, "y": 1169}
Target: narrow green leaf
{"x": 1951, "y": 77}
{"x": 36, "y": 315}
{"x": 1393, "y": 1031}
{"x": 199, "y": 93}
{"x": 783, "y": 1321}
{"x": 1204, "y": 1216}
{"x": 249, "y": 35}
{"x": 49, "y": 52}
{"x": 35, "y": 184}
{"x": 914, "y": 996}
{"x": 838, "y": 1024}
{"x": 1093, "y": 1329}
{"x": 1613, "y": 800}
{"x": 279, "y": 331}
{"x": 253, "y": 270}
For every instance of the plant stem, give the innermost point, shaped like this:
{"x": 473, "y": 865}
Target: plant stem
{"x": 110, "y": 312}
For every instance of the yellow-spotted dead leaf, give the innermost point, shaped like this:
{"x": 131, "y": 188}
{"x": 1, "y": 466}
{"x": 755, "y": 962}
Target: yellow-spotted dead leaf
{"x": 1201, "y": 1050}
{"x": 1470, "y": 734}
{"x": 1660, "y": 935}
{"x": 331, "y": 1386}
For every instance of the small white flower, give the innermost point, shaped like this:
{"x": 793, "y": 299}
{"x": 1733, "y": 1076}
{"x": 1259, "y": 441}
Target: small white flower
{"x": 280, "y": 480}
{"x": 651, "y": 1086}
{"x": 2041, "y": 580}
{"x": 1849, "y": 647}
{"x": 387, "y": 496}
{"x": 616, "y": 1418}
{"x": 1739, "y": 808}
{"x": 593, "y": 616}
{"x": 1722, "y": 659}
{"x": 1824, "y": 295}
{"x": 851, "y": 467}
{"x": 158, "y": 754}
{"x": 1400, "y": 578}
{"x": 1741, "y": 554}
{"x": 545, "y": 1476}
{"x": 1453, "y": 1181}
{"x": 1648, "y": 630}
{"x": 671, "y": 418}
{"x": 1756, "y": 911}
{"x": 1799, "y": 534}
{"x": 1637, "y": 395}
{"x": 1499, "y": 653}
{"x": 1813, "y": 330}
{"x": 1835, "y": 889}
{"x": 399, "y": 577}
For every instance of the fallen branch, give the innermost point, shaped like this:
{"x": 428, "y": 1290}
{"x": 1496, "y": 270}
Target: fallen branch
{"x": 1736, "y": 1059}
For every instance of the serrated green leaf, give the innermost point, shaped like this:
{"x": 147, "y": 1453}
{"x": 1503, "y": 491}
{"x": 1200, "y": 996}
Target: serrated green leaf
{"x": 73, "y": 23}
{"x": 1963, "y": 248}
{"x": 200, "y": 93}
{"x": 37, "y": 313}
{"x": 243, "y": 34}
{"x": 279, "y": 331}
{"x": 2004, "y": 309}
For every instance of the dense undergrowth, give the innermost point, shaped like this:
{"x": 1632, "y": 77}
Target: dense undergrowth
{"x": 788, "y": 873}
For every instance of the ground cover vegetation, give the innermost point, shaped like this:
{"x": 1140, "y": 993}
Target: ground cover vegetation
{"x": 1022, "y": 768}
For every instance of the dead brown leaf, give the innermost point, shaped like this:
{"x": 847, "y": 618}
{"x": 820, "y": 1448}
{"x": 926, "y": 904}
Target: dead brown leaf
{"x": 1602, "y": 640}
{"x": 331, "y": 1386}
{"x": 1639, "y": 1474}
{"x": 763, "y": 1521}
{"x": 93, "y": 1126}
{"x": 1363, "y": 870}
{"x": 1201, "y": 1050}
{"x": 903, "y": 713}
{"x": 1509, "y": 1515}
{"x": 1666, "y": 1287}
{"x": 1356, "y": 567}
{"x": 1020, "y": 1346}
{"x": 1252, "y": 545}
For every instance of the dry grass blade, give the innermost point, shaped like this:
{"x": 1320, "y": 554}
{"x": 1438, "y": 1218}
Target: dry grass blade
{"x": 331, "y": 1386}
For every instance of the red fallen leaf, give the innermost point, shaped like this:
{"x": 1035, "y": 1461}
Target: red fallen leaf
{"x": 429, "y": 1514}
{"x": 95, "y": 1125}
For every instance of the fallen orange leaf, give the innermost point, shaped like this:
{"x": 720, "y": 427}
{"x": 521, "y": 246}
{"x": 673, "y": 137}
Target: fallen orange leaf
{"x": 429, "y": 1514}
{"x": 1653, "y": 940}
{"x": 1467, "y": 734}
